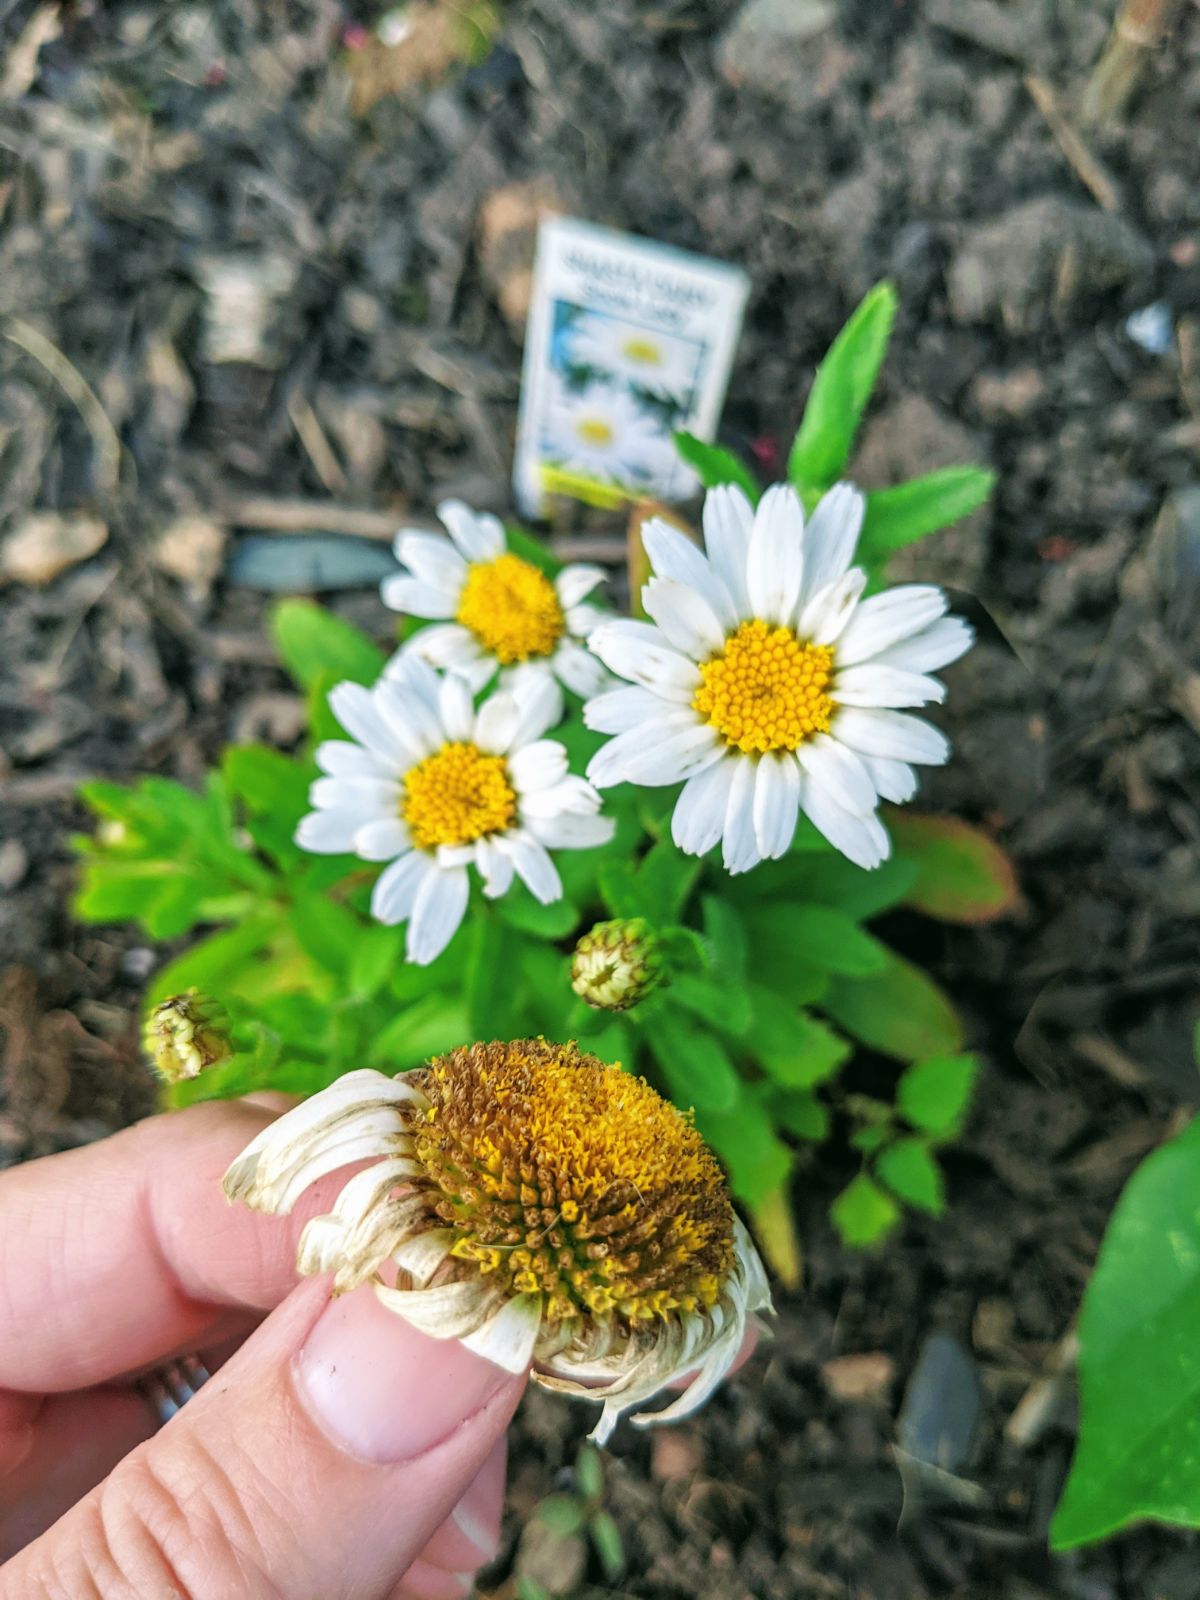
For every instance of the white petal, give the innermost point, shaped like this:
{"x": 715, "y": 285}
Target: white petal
{"x": 639, "y": 651}
{"x": 382, "y": 839}
{"x": 423, "y": 1253}
{"x": 417, "y": 599}
{"x": 673, "y": 555}
{"x": 416, "y": 678}
{"x": 396, "y": 888}
{"x": 579, "y": 669}
{"x": 775, "y": 558}
{"x": 621, "y": 709}
{"x": 359, "y": 1234}
{"x": 895, "y": 780}
{"x": 576, "y": 581}
{"x": 831, "y": 538}
{"x": 583, "y": 619}
{"x": 699, "y": 818}
{"x": 479, "y": 535}
{"x": 891, "y": 733}
{"x": 538, "y": 696}
{"x": 861, "y": 838}
{"x": 508, "y": 1338}
{"x": 440, "y": 904}
{"x": 328, "y": 833}
{"x": 433, "y": 559}
{"x": 839, "y": 772}
{"x": 572, "y": 831}
{"x": 571, "y": 796}
{"x": 776, "y": 804}
{"x": 456, "y": 708}
{"x": 888, "y": 617}
{"x": 495, "y": 868}
{"x": 446, "y": 644}
{"x": 823, "y": 618}
{"x": 728, "y": 519}
{"x": 341, "y": 759}
{"x": 669, "y": 750}
{"x": 702, "y": 1386}
{"x": 538, "y": 766}
{"x": 740, "y": 849}
{"x": 496, "y": 723}
{"x": 415, "y": 726}
{"x": 447, "y": 1311}
{"x": 357, "y": 711}
{"x": 685, "y": 617}
{"x": 532, "y": 861}
{"x": 934, "y": 647}
{"x": 872, "y": 684}
{"x": 368, "y": 796}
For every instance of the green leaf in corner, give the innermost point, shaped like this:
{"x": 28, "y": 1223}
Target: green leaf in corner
{"x": 902, "y": 515}
{"x": 912, "y": 1174}
{"x": 775, "y": 1225}
{"x": 899, "y": 1011}
{"x": 314, "y": 643}
{"x": 962, "y": 874}
{"x": 714, "y": 465}
{"x": 696, "y": 1066}
{"x": 864, "y": 1214}
{"x": 1138, "y": 1454}
{"x": 933, "y": 1094}
{"x": 840, "y": 392}
{"x": 795, "y": 1050}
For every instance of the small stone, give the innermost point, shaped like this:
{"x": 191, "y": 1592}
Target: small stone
{"x": 14, "y": 864}
{"x": 47, "y": 543}
{"x": 867, "y": 1377}
{"x": 1008, "y": 396}
{"x": 242, "y": 293}
{"x": 508, "y": 225}
{"x": 941, "y": 1405}
{"x": 1152, "y": 328}
{"x": 191, "y": 549}
{"x": 761, "y": 48}
{"x": 674, "y": 1456}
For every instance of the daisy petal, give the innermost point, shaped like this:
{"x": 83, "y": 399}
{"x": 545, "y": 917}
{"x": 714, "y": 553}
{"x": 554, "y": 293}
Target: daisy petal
{"x": 831, "y": 538}
{"x": 872, "y": 684}
{"x": 433, "y": 559}
{"x": 886, "y": 618}
{"x": 508, "y": 1338}
{"x": 673, "y": 555}
{"x": 456, "y": 708}
{"x": 934, "y": 647}
{"x": 740, "y": 849}
{"x": 382, "y": 839}
{"x": 861, "y": 838}
{"x": 478, "y": 535}
{"x": 639, "y": 651}
{"x": 728, "y": 519}
{"x": 534, "y": 866}
{"x": 341, "y": 759}
{"x": 823, "y": 617}
{"x": 396, "y": 887}
{"x": 415, "y": 598}
{"x": 495, "y": 868}
{"x": 575, "y": 582}
{"x": 685, "y": 617}
{"x": 839, "y": 772}
{"x": 446, "y": 644}
{"x": 357, "y": 711}
{"x": 776, "y": 804}
{"x": 440, "y": 904}
{"x": 539, "y": 701}
{"x": 895, "y": 780}
{"x": 621, "y": 709}
{"x": 699, "y": 817}
{"x": 539, "y": 765}
{"x": 497, "y": 722}
{"x": 328, "y": 833}
{"x": 572, "y": 831}
{"x": 892, "y": 733}
{"x": 579, "y": 669}
{"x": 415, "y": 727}
{"x": 775, "y": 559}
{"x": 668, "y": 750}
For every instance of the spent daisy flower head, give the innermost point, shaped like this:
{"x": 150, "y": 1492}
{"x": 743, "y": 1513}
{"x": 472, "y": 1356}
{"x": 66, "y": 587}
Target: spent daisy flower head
{"x": 767, "y": 685}
{"x": 491, "y": 608}
{"x": 431, "y": 785}
{"x": 534, "y": 1203}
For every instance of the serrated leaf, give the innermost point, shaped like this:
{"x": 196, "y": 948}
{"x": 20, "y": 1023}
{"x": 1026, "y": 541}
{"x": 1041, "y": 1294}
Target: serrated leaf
{"x": 818, "y": 936}
{"x": 1138, "y": 1453}
{"x": 377, "y": 951}
{"x": 900, "y": 516}
{"x": 962, "y": 874}
{"x": 726, "y": 934}
{"x": 831, "y": 880}
{"x": 864, "y": 1214}
{"x": 934, "y": 1094}
{"x": 721, "y": 1005}
{"x": 313, "y": 643}
{"x": 521, "y": 910}
{"x": 800, "y": 1114}
{"x": 758, "y": 1161}
{"x": 714, "y": 465}
{"x": 665, "y": 878}
{"x": 212, "y": 963}
{"x": 775, "y": 1225}
{"x": 696, "y": 1066}
{"x": 911, "y": 1172}
{"x": 427, "y": 1027}
{"x": 899, "y": 1011}
{"x": 795, "y": 1050}
{"x": 840, "y": 391}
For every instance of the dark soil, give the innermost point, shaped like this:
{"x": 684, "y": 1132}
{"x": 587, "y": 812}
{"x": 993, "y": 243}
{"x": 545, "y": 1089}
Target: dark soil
{"x": 149, "y": 150}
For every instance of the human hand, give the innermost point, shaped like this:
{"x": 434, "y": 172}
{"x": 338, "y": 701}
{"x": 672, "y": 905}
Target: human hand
{"x": 336, "y": 1451}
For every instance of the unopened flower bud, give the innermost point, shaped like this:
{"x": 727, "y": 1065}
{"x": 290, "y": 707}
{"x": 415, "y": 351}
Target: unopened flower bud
{"x": 616, "y": 964}
{"x": 186, "y": 1035}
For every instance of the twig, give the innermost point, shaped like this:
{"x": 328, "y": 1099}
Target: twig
{"x": 1085, "y": 165}
{"x": 81, "y": 395}
{"x": 1137, "y": 33}
{"x": 312, "y": 437}
{"x": 309, "y": 516}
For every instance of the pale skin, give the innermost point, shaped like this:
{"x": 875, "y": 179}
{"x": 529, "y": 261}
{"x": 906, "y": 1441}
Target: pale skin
{"x": 335, "y": 1455}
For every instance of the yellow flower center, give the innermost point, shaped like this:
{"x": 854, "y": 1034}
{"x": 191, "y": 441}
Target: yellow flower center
{"x": 564, "y": 1177}
{"x": 644, "y": 351}
{"x": 457, "y": 795}
{"x": 511, "y": 608}
{"x": 766, "y": 690}
{"x": 594, "y": 430}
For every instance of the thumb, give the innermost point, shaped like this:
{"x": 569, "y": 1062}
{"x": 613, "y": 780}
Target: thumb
{"x": 314, "y": 1465}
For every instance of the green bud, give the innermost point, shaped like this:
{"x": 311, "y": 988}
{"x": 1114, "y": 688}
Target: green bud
{"x": 186, "y": 1035}
{"x": 617, "y": 964}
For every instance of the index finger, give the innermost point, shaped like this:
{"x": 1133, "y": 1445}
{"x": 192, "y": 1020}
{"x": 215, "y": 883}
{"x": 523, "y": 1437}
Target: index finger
{"x": 115, "y": 1255}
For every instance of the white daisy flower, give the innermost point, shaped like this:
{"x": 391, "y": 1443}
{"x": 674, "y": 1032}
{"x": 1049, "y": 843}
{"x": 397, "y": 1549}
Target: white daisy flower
{"x": 603, "y": 434}
{"x": 653, "y": 361}
{"x": 432, "y": 785}
{"x": 767, "y": 685}
{"x": 534, "y": 1203}
{"x": 493, "y": 608}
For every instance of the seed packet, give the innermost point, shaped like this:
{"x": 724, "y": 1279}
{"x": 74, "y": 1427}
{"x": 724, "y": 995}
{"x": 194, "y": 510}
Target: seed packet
{"x": 628, "y": 341}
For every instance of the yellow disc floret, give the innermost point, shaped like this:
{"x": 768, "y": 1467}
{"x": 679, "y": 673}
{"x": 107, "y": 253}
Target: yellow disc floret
{"x": 766, "y": 690}
{"x": 511, "y": 608}
{"x": 642, "y": 351}
{"x": 457, "y": 795}
{"x": 564, "y": 1177}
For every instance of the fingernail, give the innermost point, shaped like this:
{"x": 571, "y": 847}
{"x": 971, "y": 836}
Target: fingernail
{"x": 383, "y": 1391}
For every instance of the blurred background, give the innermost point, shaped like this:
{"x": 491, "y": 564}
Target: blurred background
{"x": 264, "y": 270}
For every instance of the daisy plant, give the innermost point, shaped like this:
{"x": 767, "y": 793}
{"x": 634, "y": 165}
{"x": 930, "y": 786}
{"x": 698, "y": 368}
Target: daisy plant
{"x": 554, "y": 901}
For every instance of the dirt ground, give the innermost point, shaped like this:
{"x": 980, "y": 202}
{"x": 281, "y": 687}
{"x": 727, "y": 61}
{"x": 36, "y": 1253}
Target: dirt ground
{"x": 226, "y": 294}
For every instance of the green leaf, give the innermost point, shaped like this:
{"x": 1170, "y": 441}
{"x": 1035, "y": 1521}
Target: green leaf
{"x": 962, "y": 875}
{"x": 326, "y": 931}
{"x": 376, "y": 953}
{"x": 314, "y": 643}
{"x": 696, "y": 1066}
{"x": 757, "y": 1161}
{"x": 520, "y": 910}
{"x": 819, "y": 936}
{"x": 725, "y": 932}
{"x": 1139, "y": 1359}
{"x": 831, "y": 880}
{"x": 267, "y": 781}
{"x": 524, "y": 544}
{"x": 562, "y": 1513}
{"x": 721, "y": 1005}
{"x": 607, "y": 1539}
{"x": 589, "y": 1474}
{"x": 899, "y": 1011}
{"x": 492, "y": 982}
{"x": 212, "y": 964}
{"x": 934, "y": 1094}
{"x": 665, "y": 878}
{"x": 793, "y": 1048}
{"x": 531, "y": 1589}
{"x": 428, "y": 1027}
{"x": 618, "y": 889}
{"x": 840, "y": 392}
{"x": 714, "y": 465}
{"x": 863, "y": 1213}
{"x": 775, "y": 1225}
{"x": 900, "y": 516}
{"x": 912, "y": 1173}
{"x": 800, "y": 1114}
